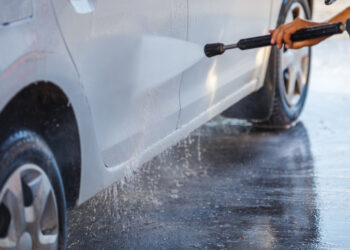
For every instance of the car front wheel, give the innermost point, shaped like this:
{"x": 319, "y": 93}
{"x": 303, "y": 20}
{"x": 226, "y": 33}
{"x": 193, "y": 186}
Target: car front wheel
{"x": 32, "y": 201}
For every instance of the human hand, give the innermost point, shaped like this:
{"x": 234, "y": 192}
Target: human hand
{"x": 283, "y": 34}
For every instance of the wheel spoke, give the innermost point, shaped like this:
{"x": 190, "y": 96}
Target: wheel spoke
{"x": 300, "y": 84}
{"x": 292, "y": 83}
{"x": 48, "y": 242}
{"x": 44, "y": 206}
{"x": 41, "y": 190}
{"x": 49, "y": 222}
{"x": 13, "y": 200}
{"x": 289, "y": 17}
{"x": 300, "y": 77}
{"x": 288, "y": 59}
{"x": 304, "y": 65}
{"x": 33, "y": 184}
{"x": 7, "y": 244}
{"x": 303, "y": 52}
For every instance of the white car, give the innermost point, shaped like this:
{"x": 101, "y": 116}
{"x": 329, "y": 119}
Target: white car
{"x": 90, "y": 89}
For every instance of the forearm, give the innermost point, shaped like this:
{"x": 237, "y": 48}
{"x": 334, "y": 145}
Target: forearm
{"x": 341, "y": 17}
{"x": 283, "y": 33}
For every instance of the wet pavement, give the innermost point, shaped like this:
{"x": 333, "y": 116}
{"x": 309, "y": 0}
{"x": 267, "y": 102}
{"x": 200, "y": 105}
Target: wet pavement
{"x": 229, "y": 186}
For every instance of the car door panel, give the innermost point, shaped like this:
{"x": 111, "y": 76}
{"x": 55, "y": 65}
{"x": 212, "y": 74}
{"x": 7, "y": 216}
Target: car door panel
{"x": 213, "y": 79}
{"x": 128, "y": 54}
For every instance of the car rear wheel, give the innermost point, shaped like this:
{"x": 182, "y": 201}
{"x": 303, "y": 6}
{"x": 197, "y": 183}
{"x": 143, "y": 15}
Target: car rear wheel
{"x": 291, "y": 69}
{"x": 32, "y": 201}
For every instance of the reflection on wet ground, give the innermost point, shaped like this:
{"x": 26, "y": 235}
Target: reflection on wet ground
{"x": 225, "y": 186}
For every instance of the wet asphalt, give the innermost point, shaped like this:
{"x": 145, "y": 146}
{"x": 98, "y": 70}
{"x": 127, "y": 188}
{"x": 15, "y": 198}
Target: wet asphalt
{"x": 229, "y": 186}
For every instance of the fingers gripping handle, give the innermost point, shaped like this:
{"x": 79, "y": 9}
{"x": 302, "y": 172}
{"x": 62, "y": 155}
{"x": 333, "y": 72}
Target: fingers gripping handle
{"x": 300, "y": 35}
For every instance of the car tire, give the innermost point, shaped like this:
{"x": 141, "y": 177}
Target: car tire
{"x": 32, "y": 200}
{"x": 288, "y": 100}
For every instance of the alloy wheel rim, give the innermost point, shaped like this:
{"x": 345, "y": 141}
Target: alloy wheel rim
{"x": 294, "y": 63}
{"x": 29, "y": 211}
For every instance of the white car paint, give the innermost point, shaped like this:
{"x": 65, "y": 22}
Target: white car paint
{"x": 134, "y": 71}
{"x": 132, "y": 108}
{"x": 227, "y": 21}
{"x": 15, "y": 10}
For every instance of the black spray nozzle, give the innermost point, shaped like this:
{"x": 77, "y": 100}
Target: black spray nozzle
{"x": 214, "y": 49}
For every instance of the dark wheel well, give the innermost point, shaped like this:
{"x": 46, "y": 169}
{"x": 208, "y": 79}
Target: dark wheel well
{"x": 43, "y": 108}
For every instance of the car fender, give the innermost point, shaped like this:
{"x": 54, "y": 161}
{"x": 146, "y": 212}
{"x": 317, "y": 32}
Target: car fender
{"x": 33, "y": 50}
{"x": 59, "y": 70}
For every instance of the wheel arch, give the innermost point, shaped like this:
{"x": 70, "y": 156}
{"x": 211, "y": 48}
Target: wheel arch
{"x": 44, "y": 108}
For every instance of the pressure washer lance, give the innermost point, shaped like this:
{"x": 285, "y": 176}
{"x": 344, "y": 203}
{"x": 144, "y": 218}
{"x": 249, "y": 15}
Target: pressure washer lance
{"x": 215, "y": 49}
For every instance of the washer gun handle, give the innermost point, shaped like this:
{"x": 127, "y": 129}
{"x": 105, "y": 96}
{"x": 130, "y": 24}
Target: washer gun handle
{"x": 300, "y": 35}
{"x": 215, "y": 49}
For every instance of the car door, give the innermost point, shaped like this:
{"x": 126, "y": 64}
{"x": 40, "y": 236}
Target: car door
{"x": 129, "y": 57}
{"x": 213, "y": 79}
